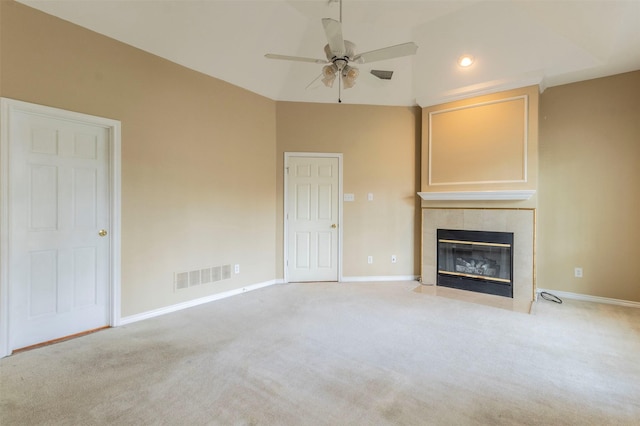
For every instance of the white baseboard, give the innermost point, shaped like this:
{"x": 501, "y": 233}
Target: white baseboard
{"x": 588, "y": 298}
{"x": 379, "y": 278}
{"x": 195, "y": 302}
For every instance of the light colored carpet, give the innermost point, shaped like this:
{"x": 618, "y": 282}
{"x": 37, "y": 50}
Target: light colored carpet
{"x": 333, "y": 354}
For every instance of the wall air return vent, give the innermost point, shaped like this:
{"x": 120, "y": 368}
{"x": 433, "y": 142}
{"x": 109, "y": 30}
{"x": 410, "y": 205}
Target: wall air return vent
{"x": 226, "y": 272}
{"x": 216, "y": 273}
{"x": 194, "y": 278}
{"x": 205, "y": 275}
{"x": 182, "y": 280}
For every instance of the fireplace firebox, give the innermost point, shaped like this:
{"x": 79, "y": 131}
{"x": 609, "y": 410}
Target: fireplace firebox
{"x": 477, "y": 261}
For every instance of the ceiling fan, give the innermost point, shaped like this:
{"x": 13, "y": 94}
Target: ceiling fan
{"x": 340, "y": 54}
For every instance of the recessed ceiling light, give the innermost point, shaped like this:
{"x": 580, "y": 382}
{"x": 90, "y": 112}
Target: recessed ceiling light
{"x": 465, "y": 61}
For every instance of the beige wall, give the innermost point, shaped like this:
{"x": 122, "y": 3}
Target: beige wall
{"x": 198, "y": 154}
{"x": 380, "y": 147}
{"x": 589, "y": 199}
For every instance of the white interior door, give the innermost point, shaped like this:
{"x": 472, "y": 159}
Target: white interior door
{"x": 59, "y": 217}
{"x": 312, "y": 214}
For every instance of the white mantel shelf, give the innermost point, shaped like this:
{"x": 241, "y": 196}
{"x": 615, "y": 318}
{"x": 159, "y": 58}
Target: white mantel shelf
{"x": 518, "y": 195}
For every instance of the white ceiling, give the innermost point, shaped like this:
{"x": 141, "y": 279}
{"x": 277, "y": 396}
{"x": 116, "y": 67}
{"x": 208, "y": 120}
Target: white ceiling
{"x": 515, "y": 43}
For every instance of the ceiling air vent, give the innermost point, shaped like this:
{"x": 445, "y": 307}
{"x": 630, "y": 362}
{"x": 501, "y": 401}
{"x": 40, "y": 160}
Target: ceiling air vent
{"x": 382, "y": 75}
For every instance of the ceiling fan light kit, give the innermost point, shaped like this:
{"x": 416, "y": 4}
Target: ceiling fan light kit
{"x": 349, "y": 75}
{"x": 340, "y": 53}
{"x": 329, "y": 74}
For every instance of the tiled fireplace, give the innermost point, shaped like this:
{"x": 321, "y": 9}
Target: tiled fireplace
{"x": 518, "y": 223}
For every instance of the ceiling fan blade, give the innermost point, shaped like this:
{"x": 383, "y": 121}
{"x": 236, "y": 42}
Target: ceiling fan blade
{"x": 382, "y": 74}
{"x": 295, "y": 58}
{"x": 390, "y": 52}
{"x": 370, "y": 80}
{"x": 333, "y": 30}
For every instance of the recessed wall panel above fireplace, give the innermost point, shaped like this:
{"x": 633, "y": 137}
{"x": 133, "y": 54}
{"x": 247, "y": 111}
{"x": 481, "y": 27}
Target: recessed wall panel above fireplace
{"x": 486, "y": 143}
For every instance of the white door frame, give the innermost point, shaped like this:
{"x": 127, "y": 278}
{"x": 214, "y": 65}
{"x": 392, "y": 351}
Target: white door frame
{"x": 7, "y": 108}
{"x": 285, "y": 245}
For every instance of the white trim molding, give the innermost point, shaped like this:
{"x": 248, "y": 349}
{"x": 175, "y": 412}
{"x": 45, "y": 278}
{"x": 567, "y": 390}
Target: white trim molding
{"x": 588, "y": 298}
{"x": 195, "y": 302}
{"x": 522, "y": 194}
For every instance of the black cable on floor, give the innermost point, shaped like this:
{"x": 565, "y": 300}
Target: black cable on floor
{"x": 550, "y": 297}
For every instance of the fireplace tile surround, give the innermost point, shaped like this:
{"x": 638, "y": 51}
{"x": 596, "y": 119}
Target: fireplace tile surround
{"x": 519, "y": 221}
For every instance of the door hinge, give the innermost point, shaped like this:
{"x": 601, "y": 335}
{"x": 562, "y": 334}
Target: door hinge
{"x": 287, "y": 169}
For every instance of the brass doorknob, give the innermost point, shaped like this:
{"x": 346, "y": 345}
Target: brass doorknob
{"x": 334, "y": 226}
{"x": 102, "y": 232}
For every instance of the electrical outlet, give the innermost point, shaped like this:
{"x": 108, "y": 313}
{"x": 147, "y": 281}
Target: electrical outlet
{"x": 393, "y": 258}
{"x": 577, "y": 272}
{"x": 236, "y": 269}
{"x": 370, "y": 259}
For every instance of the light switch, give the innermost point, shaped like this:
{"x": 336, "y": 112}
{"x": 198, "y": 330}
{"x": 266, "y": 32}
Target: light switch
{"x": 370, "y": 196}
{"x": 349, "y": 197}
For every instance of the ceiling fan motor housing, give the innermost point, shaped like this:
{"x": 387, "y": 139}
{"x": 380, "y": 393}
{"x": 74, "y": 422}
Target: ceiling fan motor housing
{"x": 344, "y": 57}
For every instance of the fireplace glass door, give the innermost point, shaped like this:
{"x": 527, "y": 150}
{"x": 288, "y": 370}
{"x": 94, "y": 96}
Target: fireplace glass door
{"x": 476, "y": 260}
